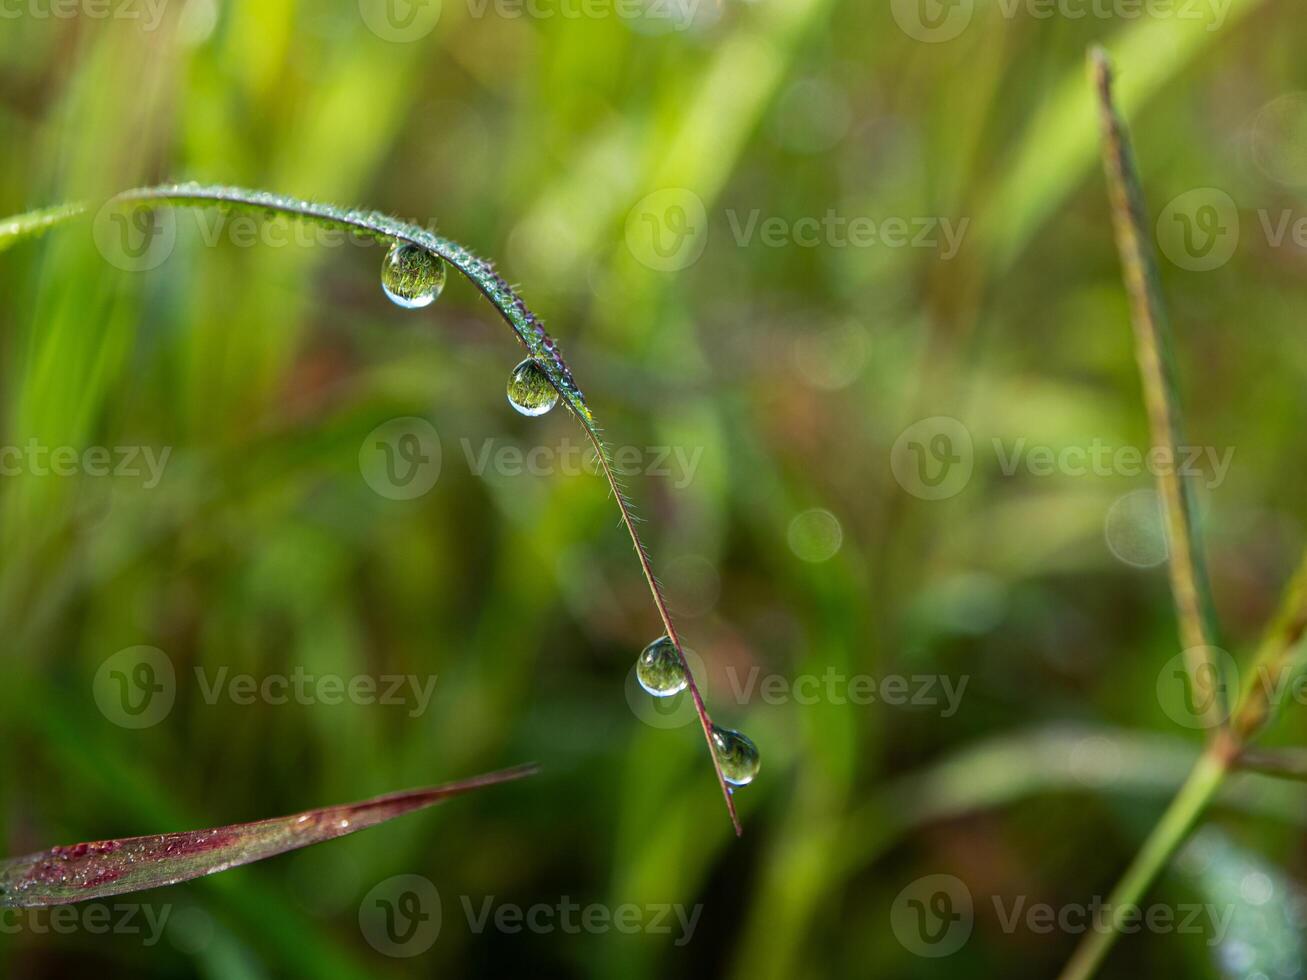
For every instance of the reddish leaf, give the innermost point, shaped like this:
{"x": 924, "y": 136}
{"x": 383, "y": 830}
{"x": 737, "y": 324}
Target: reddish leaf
{"x": 110, "y": 867}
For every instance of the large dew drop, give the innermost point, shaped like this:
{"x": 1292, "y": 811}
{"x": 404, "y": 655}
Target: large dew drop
{"x": 659, "y": 669}
{"x": 529, "y": 389}
{"x": 736, "y": 755}
{"x": 412, "y": 277}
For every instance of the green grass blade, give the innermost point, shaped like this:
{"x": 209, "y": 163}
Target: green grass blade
{"x": 1060, "y": 146}
{"x": 1155, "y": 352}
{"x": 35, "y": 223}
{"x": 528, "y": 328}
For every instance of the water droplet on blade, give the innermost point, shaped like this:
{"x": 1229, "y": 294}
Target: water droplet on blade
{"x": 659, "y": 669}
{"x": 736, "y": 755}
{"x": 412, "y": 277}
{"x": 529, "y": 389}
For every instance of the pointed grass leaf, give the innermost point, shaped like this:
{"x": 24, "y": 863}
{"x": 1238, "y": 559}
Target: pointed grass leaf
{"x": 75, "y": 873}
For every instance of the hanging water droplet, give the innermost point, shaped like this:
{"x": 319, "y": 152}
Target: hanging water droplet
{"x": 411, "y": 276}
{"x": 736, "y": 755}
{"x": 529, "y": 389}
{"x": 659, "y": 669}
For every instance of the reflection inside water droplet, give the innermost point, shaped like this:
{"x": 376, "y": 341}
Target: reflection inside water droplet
{"x": 412, "y": 277}
{"x": 659, "y": 669}
{"x": 529, "y": 389}
{"x": 736, "y": 755}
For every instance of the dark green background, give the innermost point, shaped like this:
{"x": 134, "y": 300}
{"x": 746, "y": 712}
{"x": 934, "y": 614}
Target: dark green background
{"x": 786, "y": 372}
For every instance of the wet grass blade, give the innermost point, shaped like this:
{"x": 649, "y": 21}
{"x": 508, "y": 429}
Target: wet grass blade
{"x": 529, "y": 329}
{"x": 14, "y": 230}
{"x": 62, "y": 875}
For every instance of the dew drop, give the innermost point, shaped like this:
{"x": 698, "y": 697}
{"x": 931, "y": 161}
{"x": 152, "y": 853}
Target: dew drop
{"x": 411, "y": 276}
{"x": 529, "y": 389}
{"x": 736, "y": 755}
{"x": 659, "y": 669}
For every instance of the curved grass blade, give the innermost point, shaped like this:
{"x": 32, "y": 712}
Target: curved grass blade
{"x": 528, "y": 328}
{"x": 14, "y": 230}
{"x": 63, "y": 875}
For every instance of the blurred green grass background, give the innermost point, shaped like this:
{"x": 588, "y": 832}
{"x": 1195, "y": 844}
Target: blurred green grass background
{"x": 787, "y": 373}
